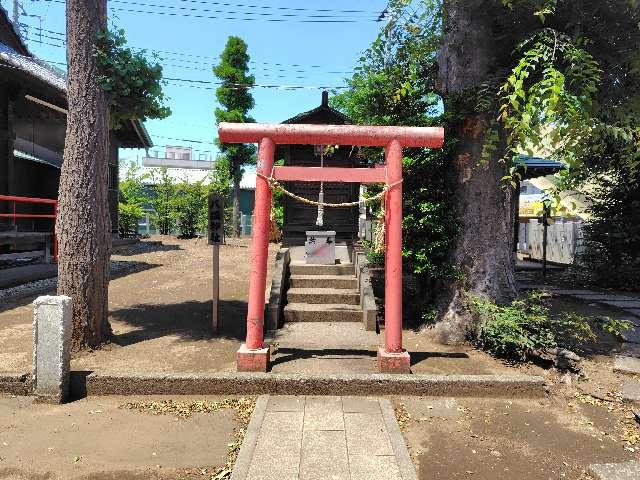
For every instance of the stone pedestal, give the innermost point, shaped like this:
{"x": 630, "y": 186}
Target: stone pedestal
{"x": 320, "y": 248}
{"x": 252, "y": 360}
{"x": 393, "y": 362}
{"x": 52, "y": 325}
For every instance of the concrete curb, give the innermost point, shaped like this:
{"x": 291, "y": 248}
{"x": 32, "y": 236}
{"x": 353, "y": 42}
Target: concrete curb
{"x": 15, "y": 383}
{"x": 245, "y": 455}
{"x": 407, "y": 470}
{"x": 295, "y": 384}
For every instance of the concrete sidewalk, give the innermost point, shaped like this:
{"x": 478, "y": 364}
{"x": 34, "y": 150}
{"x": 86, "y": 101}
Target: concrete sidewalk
{"x": 328, "y": 438}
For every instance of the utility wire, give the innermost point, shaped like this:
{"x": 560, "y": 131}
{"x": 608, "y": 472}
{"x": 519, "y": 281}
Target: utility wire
{"x": 242, "y": 15}
{"x": 299, "y": 68}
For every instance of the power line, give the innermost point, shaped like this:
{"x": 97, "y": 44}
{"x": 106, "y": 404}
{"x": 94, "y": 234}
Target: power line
{"x": 316, "y": 14}
{"x": 251, "y": 6}
{"x": 225, "y": 14}
{"x": 299, "y": 68}
{"x": 182, "y": 139}
{"x": 272, "y": 7}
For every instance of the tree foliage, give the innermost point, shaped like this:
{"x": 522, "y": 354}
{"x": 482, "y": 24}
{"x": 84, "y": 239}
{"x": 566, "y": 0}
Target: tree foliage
{"x": 162, "y": 200}
{"x": 234, "y": 96}
{"x": 190, "y": 207}
{"x": 132, "y": 83}
{"x": 393, "y": 84}
{"x": 132, "y": 199}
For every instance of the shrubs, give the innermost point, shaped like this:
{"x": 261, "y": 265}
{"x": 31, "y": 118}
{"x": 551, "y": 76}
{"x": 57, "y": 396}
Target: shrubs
{"x": 524, "y": 327}
{"x": 131, "y": 202}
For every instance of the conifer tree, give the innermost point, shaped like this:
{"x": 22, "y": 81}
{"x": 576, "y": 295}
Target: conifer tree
{"x": 236, "y": 100}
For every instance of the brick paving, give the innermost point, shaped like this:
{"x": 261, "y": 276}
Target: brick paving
{"x": 328, "y": 438}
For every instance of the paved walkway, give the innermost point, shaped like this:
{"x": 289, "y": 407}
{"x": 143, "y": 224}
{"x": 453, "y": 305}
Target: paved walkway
{"x": 324, "y": 438}
{"x": 629, "y": 304}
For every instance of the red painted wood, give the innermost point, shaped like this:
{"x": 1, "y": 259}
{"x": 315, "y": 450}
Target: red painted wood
{"x": 330, "y": 174}
{"x": 49, "y": 201}
{"x": 26, "y": 215}
{"x": 13, "y": 198}
{"x": 305, "y": 134}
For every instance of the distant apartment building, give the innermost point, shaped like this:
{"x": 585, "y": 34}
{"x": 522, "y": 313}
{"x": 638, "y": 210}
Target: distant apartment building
{"x": 183, "y": 164}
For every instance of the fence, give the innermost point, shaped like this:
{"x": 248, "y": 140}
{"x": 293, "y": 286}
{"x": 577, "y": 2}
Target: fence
{"x": 146, "y": 226}
{"x": 16, "y": 235}
{"x": 564, "y": 240}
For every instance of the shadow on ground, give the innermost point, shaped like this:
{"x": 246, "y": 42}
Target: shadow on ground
{"x": 145, "y": 247}
{"x": 189, "y": 321}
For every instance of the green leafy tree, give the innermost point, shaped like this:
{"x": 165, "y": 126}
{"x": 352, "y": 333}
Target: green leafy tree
{"x": 132, "y": 199}
{"x": 393, "y": 85}
{"x": 190, "y": 207}
{"x": 507, "y": 72}
{"x": 162, "y": 200}
{"x": 236, "y": 101}
{"x": 513, "y": 76}
{"x": 132, "y": 83}
{"x": 611, "y": 245}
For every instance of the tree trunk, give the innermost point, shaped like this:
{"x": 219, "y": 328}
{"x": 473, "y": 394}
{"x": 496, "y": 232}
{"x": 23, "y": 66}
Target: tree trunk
{"x": 470, "y": 55}
{"x": 83, "y": 225}
{"x": 236, "y": 209}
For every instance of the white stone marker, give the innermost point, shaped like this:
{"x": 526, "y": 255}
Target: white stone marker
{"x": 320, "y": 248}
{"x": 52, "y": 324}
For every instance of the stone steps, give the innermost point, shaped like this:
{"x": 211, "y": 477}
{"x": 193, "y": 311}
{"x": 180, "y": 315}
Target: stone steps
{"x": 323, "y": 296}
{"x": 324, "y": 281}
{"x": 328, "y": 312}
{"x": 301, "y": 268}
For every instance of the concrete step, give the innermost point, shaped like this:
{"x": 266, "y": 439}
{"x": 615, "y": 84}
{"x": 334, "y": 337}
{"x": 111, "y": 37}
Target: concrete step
{"x": 323, "y": 295}
{"x": 324, "y": 281}
{"x": 328, "y": 312}
{"x": 302, "y": 268}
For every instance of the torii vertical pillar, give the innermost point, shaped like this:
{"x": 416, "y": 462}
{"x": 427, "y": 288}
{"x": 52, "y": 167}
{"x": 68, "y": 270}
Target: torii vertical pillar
{"x": 253, "y": 355}
{"x": 392, "y": 358}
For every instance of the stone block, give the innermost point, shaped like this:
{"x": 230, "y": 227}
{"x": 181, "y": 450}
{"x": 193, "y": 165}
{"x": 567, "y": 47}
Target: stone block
{"x": 252, "y": 360}
{"x": 52, "y": 326}
{"x": 323, "y": 413}
{"x": 616, "y": 471}
{"x": 320, "y": 248}
{"x": 393, "y": 362}
{"x": 631, "y": 392}
{"x": 626, "y": 364}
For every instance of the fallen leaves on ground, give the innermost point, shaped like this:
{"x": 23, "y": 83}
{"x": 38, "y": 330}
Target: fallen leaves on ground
{"x": 402, "y": 415}
{"x": 628, "y": 431}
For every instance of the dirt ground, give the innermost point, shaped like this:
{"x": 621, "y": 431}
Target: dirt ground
{"x": 160, "y": 312}
{"x": 492, "y": 439}
{"x": 96, "y": 439}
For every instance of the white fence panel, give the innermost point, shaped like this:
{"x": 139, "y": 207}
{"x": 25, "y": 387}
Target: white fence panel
{"x": 564, "y": 240}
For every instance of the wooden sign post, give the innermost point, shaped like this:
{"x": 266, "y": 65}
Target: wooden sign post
{"x": 216, "y": 237}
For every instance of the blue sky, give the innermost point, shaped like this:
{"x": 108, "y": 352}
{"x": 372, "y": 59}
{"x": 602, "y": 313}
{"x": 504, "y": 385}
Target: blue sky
{"x": 324, "y": 52}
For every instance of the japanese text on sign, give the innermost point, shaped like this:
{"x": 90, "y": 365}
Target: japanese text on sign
{"x": 216, "y": 219}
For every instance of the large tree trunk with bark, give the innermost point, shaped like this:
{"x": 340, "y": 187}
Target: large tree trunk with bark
{"x": 236, "y": 209}
{"x": 471, "y": 55}
{"x": 83, "y": 225}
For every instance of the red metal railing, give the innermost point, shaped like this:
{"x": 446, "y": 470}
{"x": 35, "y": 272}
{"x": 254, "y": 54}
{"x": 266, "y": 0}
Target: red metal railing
{"x": 29, "y": 200}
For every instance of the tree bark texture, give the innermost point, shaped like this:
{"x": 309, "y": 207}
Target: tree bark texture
{"x": 469, "y": 56}
{"x": 236, "y": 209}
{"x": 83, "y": 225}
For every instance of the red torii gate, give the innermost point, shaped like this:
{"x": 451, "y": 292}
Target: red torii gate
{"x": 253, "y": 355}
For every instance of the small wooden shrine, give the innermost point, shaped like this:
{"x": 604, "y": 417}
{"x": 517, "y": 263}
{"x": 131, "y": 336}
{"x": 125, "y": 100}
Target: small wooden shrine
{"x": 300, "y": 217}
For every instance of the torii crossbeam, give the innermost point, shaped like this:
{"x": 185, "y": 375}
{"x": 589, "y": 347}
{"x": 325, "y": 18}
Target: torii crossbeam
{"x": 253, "y": 355}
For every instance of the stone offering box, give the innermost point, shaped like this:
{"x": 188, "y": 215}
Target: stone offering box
{"x": 320, "y": 248}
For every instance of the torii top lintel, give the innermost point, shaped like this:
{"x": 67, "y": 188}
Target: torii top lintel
{"x": 305, "y": 134}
